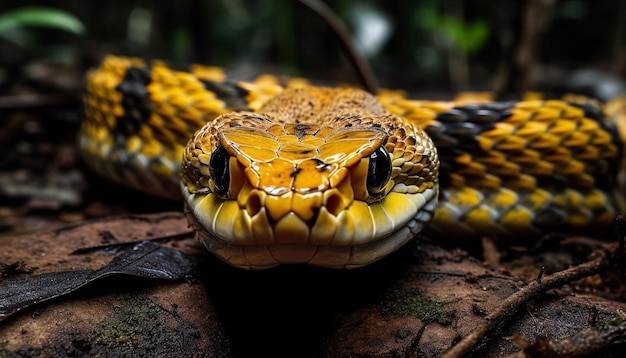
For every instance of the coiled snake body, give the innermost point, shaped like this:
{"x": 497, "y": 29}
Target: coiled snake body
{"x": 291, "y": 173}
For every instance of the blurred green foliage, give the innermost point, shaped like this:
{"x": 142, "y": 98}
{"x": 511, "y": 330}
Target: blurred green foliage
{"x": 14, "y": 24}
{"x": 469, "y": 37}
{"x": 286, "y": 37}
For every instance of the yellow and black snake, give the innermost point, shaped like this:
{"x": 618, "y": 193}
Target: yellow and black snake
{"x": 284, "y": 172}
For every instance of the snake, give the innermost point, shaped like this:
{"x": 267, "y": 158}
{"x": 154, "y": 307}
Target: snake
{"x": 278, "y": 171}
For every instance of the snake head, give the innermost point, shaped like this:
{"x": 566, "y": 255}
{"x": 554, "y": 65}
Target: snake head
{"x": 339, "y": 192}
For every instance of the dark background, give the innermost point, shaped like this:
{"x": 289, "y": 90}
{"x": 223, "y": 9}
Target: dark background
{"x": 432, "y": 46}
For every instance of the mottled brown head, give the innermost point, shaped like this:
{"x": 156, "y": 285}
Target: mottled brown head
{"x": 318, "y": 175}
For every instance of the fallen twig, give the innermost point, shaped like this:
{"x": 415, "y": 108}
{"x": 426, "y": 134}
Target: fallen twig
{"x": 511, "y": 305}
{"x": 116, "y": 246}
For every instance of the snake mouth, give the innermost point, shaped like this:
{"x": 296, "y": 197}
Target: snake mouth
{"x": 359, "y": 235}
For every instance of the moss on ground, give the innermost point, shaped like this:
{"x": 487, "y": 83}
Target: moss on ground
{"x": 402, "y": 302}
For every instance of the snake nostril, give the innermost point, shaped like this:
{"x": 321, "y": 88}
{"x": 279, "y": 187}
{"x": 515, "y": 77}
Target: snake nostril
{"x": 253, "y": 206}
{"x": 334, "y": 204}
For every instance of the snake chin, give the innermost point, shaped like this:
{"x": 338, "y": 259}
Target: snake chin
{"x": 410, "y": 217}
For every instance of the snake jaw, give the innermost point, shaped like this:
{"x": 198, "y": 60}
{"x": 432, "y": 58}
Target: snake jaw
{"x": 355, "y": 252}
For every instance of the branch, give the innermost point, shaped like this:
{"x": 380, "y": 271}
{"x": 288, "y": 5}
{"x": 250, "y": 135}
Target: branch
{"x": 362, "y": 67}
{"x": 511, "y": 305}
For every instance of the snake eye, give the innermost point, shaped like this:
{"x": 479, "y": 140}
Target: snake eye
{"x": 379, "y": 171}
{"x": 220, "y": 170}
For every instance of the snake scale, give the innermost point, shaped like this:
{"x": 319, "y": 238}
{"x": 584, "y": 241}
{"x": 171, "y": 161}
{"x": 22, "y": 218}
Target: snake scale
{"x": 275, "y": 172}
